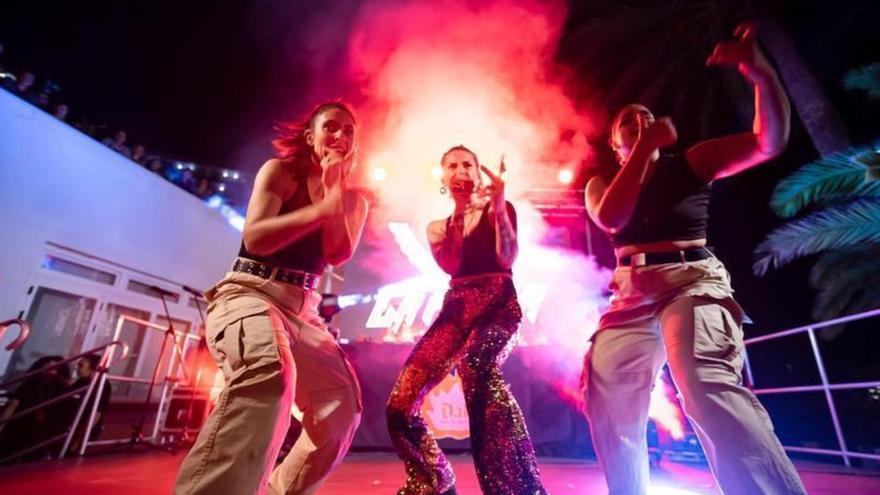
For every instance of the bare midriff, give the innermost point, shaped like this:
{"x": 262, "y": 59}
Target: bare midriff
{"x": 658, "y": 247}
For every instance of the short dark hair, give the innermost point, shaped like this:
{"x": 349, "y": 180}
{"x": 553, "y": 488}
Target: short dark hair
{"x": 44, "y": 361}
{"x": 460, "y": 147}
{"x": 93, "y": 359}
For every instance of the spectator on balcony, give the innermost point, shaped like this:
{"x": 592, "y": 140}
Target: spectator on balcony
{"x": 204, "y": 189}
{"x": 117, "y": 143}
{"x": 154, "y": 164}
{"x": 60, "y": 112}
{"x": 86, "y": 127}
{"x": 22, "y": 86}
{"x": 42, "y": 100}
{"x": 24, "y": 83}
{"x": 187, "y": 180}
{"x": 138, "y": 153}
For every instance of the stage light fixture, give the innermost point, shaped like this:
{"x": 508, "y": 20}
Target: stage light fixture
{"x": 565, "y": 176}
{"x": 329, "y": 306}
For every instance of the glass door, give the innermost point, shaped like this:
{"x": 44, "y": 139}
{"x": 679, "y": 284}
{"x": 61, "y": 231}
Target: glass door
{"x": 59, "y": 323}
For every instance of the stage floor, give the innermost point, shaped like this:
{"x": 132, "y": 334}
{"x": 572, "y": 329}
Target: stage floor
{"x": 380, "y": 474}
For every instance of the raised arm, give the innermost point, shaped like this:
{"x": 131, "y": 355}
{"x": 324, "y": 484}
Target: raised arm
{"x": 728, "y": 155}
{"x": 265, "y": 231}
{"x": 610, "y": 205}
{"x": 342, "y": 232}
{"x": 504, "y": 218}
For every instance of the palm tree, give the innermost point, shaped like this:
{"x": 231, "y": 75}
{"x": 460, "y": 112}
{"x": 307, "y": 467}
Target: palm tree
{"x": 840, "y": 196}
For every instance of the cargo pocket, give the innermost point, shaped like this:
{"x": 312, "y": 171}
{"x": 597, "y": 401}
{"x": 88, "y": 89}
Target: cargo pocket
{"x": 246, "y": 343}
{"x": 717, "y": 334}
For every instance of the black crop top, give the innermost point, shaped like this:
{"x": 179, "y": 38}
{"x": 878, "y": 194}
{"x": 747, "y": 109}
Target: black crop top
{"x": 478, "y": 248}
{"x": 672, "y": 206}
{"x": 305, "y": 254}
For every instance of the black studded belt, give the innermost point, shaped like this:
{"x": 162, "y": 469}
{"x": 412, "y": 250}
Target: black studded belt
{"x": 685, "y": 255}
{"x": 271, "y": 272}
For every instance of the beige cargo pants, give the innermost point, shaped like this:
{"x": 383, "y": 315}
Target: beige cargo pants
{"x": 683, "y": 314}
{"x": 274, "y": 350}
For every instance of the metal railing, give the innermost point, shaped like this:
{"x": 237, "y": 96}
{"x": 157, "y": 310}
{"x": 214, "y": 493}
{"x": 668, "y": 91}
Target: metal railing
{"x": 825, "y": 386}
{"x": 105, "y": 362}
{"x": 170, "y": 381}
{"x": 23, "y": 331}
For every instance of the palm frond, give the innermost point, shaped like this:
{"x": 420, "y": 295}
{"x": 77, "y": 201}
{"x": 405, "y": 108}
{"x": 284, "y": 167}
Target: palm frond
{"x": 843, "y": 284}
{"x": 842, "y": 174}
{"x": 855, "y": 224}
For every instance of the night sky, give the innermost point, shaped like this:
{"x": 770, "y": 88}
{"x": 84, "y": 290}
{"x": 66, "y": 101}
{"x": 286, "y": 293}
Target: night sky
{"x": 205, "y": 81}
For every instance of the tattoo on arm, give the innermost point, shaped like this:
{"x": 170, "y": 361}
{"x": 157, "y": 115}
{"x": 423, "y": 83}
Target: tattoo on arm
{"x": 505, "y": 238}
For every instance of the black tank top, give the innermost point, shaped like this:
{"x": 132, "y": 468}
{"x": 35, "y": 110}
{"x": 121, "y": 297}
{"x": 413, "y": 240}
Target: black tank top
{"x": 672, "y": 206}
{"x": 305, "y": 254}
{"x": 478, "y": 248}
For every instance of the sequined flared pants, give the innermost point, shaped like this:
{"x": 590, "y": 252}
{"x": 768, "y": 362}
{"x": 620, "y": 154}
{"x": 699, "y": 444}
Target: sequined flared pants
{"x": 473, "y": 332}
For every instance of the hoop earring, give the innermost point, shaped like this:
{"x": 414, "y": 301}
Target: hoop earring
{"x": 442, "y": 189}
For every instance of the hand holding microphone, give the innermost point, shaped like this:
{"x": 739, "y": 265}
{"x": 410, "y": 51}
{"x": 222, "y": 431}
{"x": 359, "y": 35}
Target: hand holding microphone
{"x": 462, "y": 186}
{"x": 494, "y": 190}
{"x": 334, "y": 167}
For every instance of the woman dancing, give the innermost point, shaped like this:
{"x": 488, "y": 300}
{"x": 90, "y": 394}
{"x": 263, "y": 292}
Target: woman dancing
{"x": 263, "y": 327}
{"x": 473, "y": 331}
{"x": 672, "y": 298}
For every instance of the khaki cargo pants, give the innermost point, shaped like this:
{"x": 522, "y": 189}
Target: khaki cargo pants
{"x": 274, "y": 350}
{"x": 683, "y": 314}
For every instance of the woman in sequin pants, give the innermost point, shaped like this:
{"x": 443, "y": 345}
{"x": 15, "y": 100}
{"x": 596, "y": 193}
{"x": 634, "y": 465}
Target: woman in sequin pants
{"x": 474, "y": 332}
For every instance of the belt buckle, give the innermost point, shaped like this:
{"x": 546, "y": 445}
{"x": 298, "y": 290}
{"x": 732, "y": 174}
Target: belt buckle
{"x": 309, "y": 281}
{"x": 637, "y": 259}
{"x": 302, "y": 279}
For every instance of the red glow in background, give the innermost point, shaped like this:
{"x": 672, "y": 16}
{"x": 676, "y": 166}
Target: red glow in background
{"x": 429, "y": 75}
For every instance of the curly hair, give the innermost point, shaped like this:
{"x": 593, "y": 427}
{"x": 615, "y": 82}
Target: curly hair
{"x": 291, "y": 140}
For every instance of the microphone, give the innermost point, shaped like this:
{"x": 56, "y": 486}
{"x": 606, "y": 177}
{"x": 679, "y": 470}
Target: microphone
{"x": 193, "y": 291}
{"x": 162, "y": 291}
{"x": 462, "y": 186}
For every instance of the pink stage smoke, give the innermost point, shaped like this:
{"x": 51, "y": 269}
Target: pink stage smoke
{"x": 435, "y": 74}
